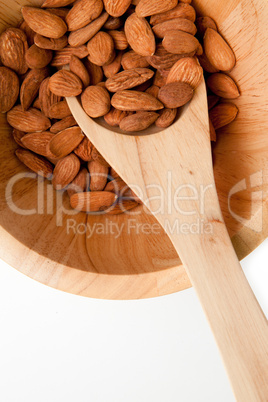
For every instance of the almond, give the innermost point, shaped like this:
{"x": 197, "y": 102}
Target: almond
{"x": 38, "y": 58}
{"x": 17, "y": 136}
{"x": 101, "y": 49}
{"x": 60, "y": 12}
{"x": 98, "y": 175}
{"x": 96, "y": 201}
{"x": 153, "y": 90}
{"x": 114, "y": 67}
{"x": 95, "y": 72}
{"x": 36, "y": 163}
{"x": 181, "y": 24}
{"x": 36, "y": 103}
{"x": 134, "y": 100}
{"x": 186, "y": 70}
{"x": 95, "y": 101}
{"x": 138, "y": 121}
{"x": 206, "y": 65}
{"x": 114, "y": 117}
{"x": 140, "y": 35}
{"x": 61, "y": 125}
{"x": 78, "y": 68}
{"x": 113, "y": 23}
{"x": 146, "y": 8}
{"x": 222, "y": 85}
{"x": 162, "y": 59}
{"x": 65, "y": 171}
{"x": 121, "y": 206}
{"x": 83, "y": 35}
{"x": 37, "y": 142}
{"x": 28, "y": 32}
{"x": 128, "y": 79}
{"x": 65, "y": 83}
{"x": 213, "y": 135}
{"x": 180, "y": 11}
{"x": 59, "y": 110}
{"x": 50, "y": 43}
{"x": 63, "y": 56}
{"x": 175, "y": 94}
{"x": 212, "y": 101}
{"x": 119, "y": 38}
{"x": 30, "y": 86}
{"x": 43, "y": 22}
{"x": 116, "y": 8}
{"x": 82, "y": 13}
{"x": 179, "y": 42}
{"x": 160, "y": 78}
{"x": 84, "y": 150}
{"x": 63, "y": 143}
{"x": 28, "y": 121}
{"x": 80, "y": 183}
{"x": 96, "y": 156}
{"x": 203, "y": 23}
{"x": 13, "y": 46}
{"x": 56, "y": 3}
{"x": 166, "y": 118}
{"x": 132, "y": 59}
{"x": 218, "y": 52}
{"x": 47, "y": 98}
{"x": 9, "y": 89}
{"x": 222, "y": 114}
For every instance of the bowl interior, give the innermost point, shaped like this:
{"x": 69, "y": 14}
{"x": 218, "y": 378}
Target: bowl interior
{"x": 84, "y": 254}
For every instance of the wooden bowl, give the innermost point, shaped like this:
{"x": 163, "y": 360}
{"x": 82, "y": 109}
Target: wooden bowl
{"x": 141, "y": 265}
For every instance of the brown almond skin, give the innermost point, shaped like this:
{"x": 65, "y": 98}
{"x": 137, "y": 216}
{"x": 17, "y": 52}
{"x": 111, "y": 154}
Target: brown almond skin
{"x": 17, "y": 136}
{"x": 63, "y": 56}
{"x": 28, "y": 32}
{"x": 213, "y": 135}
{"x": 36, "y": 163}
{"x": 203, "y": 23}
{"x": 212, "y": 101}
{"x": 186, "y": 70}
{"x": 84, "y": 149}
{"x": 38, "y": 58}
{"x": 138, "y": 121}
{"x": 96, "y": 101}
{"x": 95, "y": 72}
{"x": 146, "y": 8}
{"x": 37, "y": 142}
{"x": 114, "y": 67}
{"x": 60, "y": 12}
{"x": 116, "y": 8}
{"x": 206, "y": 65}
{"x": 9, "y": 89}
{"x": 65, "y": 83}
{"x": 119, "y": 38}
{"x": 180, "y": 11}
{"x": 82, "y": 13}
{"x": 101, "y": 49}
{"x": 218, "y": 52}
{"x": 30, "y": 86}
{"x": 139, "y": 35}
{"x": 59, "y": 110}
{"x": 13, "y": 46}
{"x": 80, "y": 183}
{"x": 222, "y": 114}
{"x": 77, "y": 67}
{"x": 121, "y": 206}
{"x": 162, "y": 59}
{"x": 64, "y": 142}
{"x": 96, "y": 201}
{"x": 28, "y": 121}
{"x": 62, "y": 124}
{"x": 179, "y": 42}
{"x": 43, "y": 22}
{"x": 47, "y": 98}
{"x": 83, "y": 35}
{"x": 98, "y": 175}
{"x": 166, "y": 118}
{"x": 223, "y": 86}
{"x": 114, "y": 117}
{"x": 65, "y": 171}
{"x": 175, "y": 94}
{"x": 160, "y": 78}
{"x": 181, "y": 24}
{"x": 50, "y": 43}
{"x": 128, "y": 79}
{"x": 56, "y": 3}
{"x": 134, "y": 100}
{"x": 132, "y": 59}
{"x": 153, "y": 90}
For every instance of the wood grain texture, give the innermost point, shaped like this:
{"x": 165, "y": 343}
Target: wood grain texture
{"x": 37, "y": 247}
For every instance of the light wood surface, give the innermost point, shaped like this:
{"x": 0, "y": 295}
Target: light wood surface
{"x": 105, "y": 267}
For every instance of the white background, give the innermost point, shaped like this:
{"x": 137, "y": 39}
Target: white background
{"x": 56, "y": 347}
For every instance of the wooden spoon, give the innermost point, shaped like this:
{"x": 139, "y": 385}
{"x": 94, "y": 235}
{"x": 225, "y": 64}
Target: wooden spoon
{"x": 178, "y": 160}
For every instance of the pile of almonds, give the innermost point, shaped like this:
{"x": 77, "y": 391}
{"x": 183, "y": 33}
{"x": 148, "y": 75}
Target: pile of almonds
{"x": 133, "y": 63}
